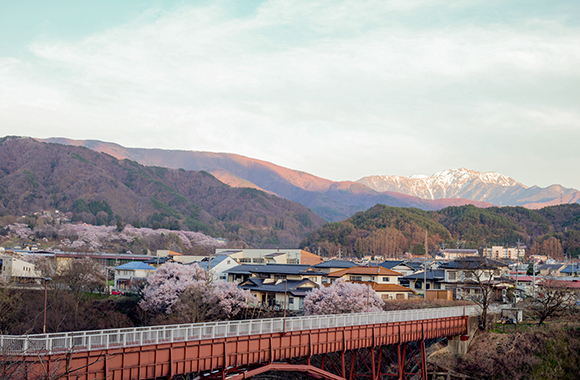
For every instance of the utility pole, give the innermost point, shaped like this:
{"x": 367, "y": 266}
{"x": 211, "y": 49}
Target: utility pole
{"x": 425, "y": 267}
{"x": 517, "y": 267}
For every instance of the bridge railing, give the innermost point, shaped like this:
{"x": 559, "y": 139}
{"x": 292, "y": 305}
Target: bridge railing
{"x": 138, "y": 336}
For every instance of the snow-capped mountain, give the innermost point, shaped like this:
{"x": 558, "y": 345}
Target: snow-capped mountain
{"x": 489, "y": 187}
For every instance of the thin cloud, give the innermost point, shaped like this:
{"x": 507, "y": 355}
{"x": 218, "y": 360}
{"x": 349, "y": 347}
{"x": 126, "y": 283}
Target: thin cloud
{"x": 340, "y": 90}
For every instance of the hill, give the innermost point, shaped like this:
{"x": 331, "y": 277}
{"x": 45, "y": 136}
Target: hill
{"x": 98, "y": 188}
{"x": 554, "y": 230}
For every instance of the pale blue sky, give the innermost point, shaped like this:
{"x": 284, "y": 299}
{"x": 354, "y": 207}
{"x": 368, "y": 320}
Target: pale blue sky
{"x": 340, "y": 89}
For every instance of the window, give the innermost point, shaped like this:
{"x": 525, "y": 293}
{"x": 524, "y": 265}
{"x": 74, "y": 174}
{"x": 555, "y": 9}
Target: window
{"x": 292, "y": 261}
{"x": 355, "y": 278}
{"x": 258, "y": 261}
{"x": 452, "y": 275}
{"x": 291, "y": 301}
{"x": 386, "y": 279}
{"x": 245, "y": 260}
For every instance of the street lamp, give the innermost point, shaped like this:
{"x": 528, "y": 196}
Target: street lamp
{"x": 46, "y": 280}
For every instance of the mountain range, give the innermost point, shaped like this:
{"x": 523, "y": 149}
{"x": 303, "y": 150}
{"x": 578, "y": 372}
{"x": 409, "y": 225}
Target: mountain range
{"x": 335, "y": 201}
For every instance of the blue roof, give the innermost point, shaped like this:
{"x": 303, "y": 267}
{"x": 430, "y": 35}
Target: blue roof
{"x": 214, "y": 261}
{"x": 571, "y": 269}
{"x": 135, "y": 265}
{"x": 437, "y": 274}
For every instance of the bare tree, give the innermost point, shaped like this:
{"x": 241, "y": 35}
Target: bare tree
{"x": 478, "y": 275}
{"x": 82, "y": 275}
{"x": 552, "y": 299}
{"x": 10, "y": 305}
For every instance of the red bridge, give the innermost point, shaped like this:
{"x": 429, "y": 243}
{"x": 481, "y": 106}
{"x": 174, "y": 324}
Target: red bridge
{"x": 366, "y": 345}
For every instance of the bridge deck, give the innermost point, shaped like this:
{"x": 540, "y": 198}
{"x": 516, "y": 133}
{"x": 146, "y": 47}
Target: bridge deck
{"x": 164, "y": 351}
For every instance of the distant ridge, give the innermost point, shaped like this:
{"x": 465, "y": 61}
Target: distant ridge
{"x": 331, "y": 200}
{"x": 489, "y": 187}
{"x": 335, "y": 201}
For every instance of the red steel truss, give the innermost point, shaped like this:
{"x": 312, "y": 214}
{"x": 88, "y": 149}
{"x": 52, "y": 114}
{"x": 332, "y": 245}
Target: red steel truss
{"x": 378, "y": 351}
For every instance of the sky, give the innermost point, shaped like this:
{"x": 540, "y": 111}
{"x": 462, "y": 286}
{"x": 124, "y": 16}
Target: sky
{"x": 338, "y": 89}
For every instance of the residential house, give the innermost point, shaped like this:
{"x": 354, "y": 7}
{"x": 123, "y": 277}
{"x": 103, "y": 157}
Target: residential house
{"x": 433, "y": 278}
{"x": 571, "y": 270}
{"x": 466, "y": 275}
{"x": 240, "y": 273}
{"x": 281, "y": 293}
{"x": 400, "y": 266}
{"x": 217, "y": 266}
{"x": 551, "y": 269}
{"x": 126, "y": 273}
{"x": 384, "y": 281}
{"x": 271, "y": 256}
{"x": 280, "y": 285}
{"x": 332, "y": 266}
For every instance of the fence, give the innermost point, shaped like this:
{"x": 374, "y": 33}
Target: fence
{"x": 139, "y": 336}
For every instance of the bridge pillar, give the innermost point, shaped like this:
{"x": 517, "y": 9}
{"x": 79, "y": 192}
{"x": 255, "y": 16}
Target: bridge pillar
{"x": 459, "y": 345}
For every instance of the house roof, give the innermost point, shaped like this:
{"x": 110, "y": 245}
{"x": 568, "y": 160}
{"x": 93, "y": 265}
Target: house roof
{"x": 280, "y": 286}
{"x": 135, "y": 265}
{"x": 571, "y": 269}
{"x": 473, "y": 263}
{"x": 369, "y": 271}
{"x": 243, "y": 269}
{"x": 214, "y": 261}
{"x": 575, "y": 284}
{"x": 550, "y": 266}
{"x": 437, "y": 274}
{"x": 297, "y": 269}
{"x": 416, "y": 265}
{"x": 390, "y": 264}
{"x": 335, "y": 264}
{"x": 275, "y": 254}
{"x": 158, "y": 260}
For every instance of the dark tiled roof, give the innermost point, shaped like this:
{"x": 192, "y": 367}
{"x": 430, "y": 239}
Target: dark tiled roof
{"x": 473, "y": 262}
{"x": 286, "y": 269}
{"x": 335, "y": 264}
{"x": 275, "y": 287}
{"x": 158, "y": 260}
{"x": 370, "y": 271}
{"x": 243, "y": 269}
{"x": 390, "y": 264}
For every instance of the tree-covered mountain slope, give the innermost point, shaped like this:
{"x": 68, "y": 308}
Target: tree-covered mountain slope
{"x": 98, "y": 188}
{"x": 392, "y": 231}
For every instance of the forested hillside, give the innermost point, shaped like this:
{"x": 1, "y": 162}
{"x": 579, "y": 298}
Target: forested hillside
{"x": 97, "y": 188}
{"x": 554, "y": 231}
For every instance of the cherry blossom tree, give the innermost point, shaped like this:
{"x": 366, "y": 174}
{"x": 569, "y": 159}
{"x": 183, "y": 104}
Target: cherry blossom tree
{"x": 342, "y": 297}
{"x": 186, "y": 292}
{"x": 168, "y": 283}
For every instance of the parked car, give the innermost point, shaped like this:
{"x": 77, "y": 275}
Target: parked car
{"x": 117, "y": 293}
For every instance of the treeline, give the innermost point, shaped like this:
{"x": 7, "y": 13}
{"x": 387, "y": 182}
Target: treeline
{"x": 392, "y": 231}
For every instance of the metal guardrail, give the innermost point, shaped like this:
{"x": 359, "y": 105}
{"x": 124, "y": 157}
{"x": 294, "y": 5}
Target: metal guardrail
{"x": 139, "y": 336}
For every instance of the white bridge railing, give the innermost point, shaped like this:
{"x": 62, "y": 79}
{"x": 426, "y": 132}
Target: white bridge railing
{"x": 139, "y": 336}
